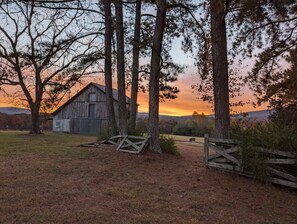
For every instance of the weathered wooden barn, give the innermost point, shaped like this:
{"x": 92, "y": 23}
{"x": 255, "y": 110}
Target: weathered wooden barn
{"x": 86, "y": 112}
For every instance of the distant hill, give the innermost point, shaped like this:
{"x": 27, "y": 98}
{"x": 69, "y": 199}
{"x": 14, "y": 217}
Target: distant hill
{"x": 14, "y": 110}
{"x": 143, "y": 115}
{"x": 257, "y": 115}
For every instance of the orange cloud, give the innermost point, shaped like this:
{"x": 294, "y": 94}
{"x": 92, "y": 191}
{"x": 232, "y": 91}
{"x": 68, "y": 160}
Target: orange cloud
{"x": 188, "y": 100}
{"x": 186, "y": 103}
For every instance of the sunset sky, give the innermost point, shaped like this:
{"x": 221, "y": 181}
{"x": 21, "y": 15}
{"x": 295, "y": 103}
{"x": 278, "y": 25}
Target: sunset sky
{"x": 187, "y": 102}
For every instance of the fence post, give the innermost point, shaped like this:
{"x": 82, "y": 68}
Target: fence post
{"x": 206, "y": 148}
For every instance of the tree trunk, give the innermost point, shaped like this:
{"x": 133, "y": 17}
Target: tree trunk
{"x": 220, "y": 68}
{"x": 121, "y": 68}
{"x": 35, "y": 128}
{"x": 112, "y": 128}
{"x": 155, "y": 76}
{"x": 35, "y": 104}
{"x": 135, "y": 68}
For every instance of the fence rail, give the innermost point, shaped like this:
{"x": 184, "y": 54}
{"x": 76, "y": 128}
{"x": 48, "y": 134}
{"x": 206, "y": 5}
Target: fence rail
{"x": 129, "y": 143}
{"x": 226, "y": 154}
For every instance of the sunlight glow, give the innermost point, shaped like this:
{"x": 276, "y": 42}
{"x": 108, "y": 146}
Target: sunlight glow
{"x": 186, "y": 103}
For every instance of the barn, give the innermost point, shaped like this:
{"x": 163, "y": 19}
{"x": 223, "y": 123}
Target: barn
{"x": 86, "y": 112}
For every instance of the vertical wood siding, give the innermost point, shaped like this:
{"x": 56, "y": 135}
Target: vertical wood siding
{"x": 78, "y": 108}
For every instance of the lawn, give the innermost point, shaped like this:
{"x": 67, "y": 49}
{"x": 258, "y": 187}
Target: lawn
{"x": 181, "y": 138}
{"x": 19, "y": 143}
{"x": 48, "y": 179}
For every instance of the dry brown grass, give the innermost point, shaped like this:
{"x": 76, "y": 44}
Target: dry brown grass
{"x": 60, "y": 183}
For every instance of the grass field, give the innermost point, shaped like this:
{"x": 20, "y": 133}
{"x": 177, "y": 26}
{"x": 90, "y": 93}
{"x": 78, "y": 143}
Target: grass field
{"x": 186, "y": 138}
{"x": 17, "y": 142}
{"x": 48, "y": 179}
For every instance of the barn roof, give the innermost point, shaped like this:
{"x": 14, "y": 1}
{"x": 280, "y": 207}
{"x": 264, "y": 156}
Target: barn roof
{"x": 115, "y": 94}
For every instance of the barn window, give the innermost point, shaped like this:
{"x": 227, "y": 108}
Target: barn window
{"x": 58, "y": 124}
{"x": 91, "y": 110}
{"x": 92, "y": 97}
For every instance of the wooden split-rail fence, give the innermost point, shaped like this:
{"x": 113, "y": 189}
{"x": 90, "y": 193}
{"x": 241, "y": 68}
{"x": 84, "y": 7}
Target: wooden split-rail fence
{"x": 226, "y": 154}
{"x": 129, "y": 143}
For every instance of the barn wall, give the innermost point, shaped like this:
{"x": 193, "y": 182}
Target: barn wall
{"x": 73, "y": 118}
{"x": 78, "y": 108}
{"x": 61, "y": 125}
{"x": 84, "y": 126}
{"x": 88, "y": 126}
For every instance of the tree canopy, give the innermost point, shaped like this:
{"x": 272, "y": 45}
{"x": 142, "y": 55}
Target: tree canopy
{"x": 45, "y": 51}
{"x": 46, "y": 47}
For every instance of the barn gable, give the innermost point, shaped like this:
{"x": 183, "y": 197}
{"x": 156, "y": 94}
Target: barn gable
{"x": 86, "y": 112}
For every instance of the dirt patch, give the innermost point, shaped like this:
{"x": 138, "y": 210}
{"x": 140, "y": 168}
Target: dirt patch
{"x": 104, "y": 186}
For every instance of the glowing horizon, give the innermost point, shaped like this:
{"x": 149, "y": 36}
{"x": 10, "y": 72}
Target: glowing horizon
{"x": 186, "y": 103}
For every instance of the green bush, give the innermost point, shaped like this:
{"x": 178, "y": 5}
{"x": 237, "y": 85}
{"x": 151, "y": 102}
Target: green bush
{"x": 182, "y": 129}
{"x": 253, "y": 161}
{"x": 271, "y": 135}
{"x": 104, "y": 135}
{"x": 168, "y": 145}
{"x": 194, "y": 128}
{"x": 140, "y": 129}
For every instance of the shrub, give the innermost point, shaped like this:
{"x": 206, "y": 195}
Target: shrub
{"x": 141, "y": 128}
{"x": 253, "y": 161}
{"x": 271, "y": 135}
{"x": 103, "y": 135}
{"x": 182, "y": 129}
{"x": 194, "y": 128}
{"x": 168, "y": 145}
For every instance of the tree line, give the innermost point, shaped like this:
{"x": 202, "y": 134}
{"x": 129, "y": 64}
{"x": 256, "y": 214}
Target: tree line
{"x": 46, "y": 47}
{"x": 20, "y": 122}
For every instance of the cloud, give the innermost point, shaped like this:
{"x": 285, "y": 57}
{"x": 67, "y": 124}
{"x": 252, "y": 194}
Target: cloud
{"x": 187, "y": 102}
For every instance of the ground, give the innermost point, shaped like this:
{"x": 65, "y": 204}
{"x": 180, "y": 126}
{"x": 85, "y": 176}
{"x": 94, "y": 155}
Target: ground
{"x": 48, "y": 179}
